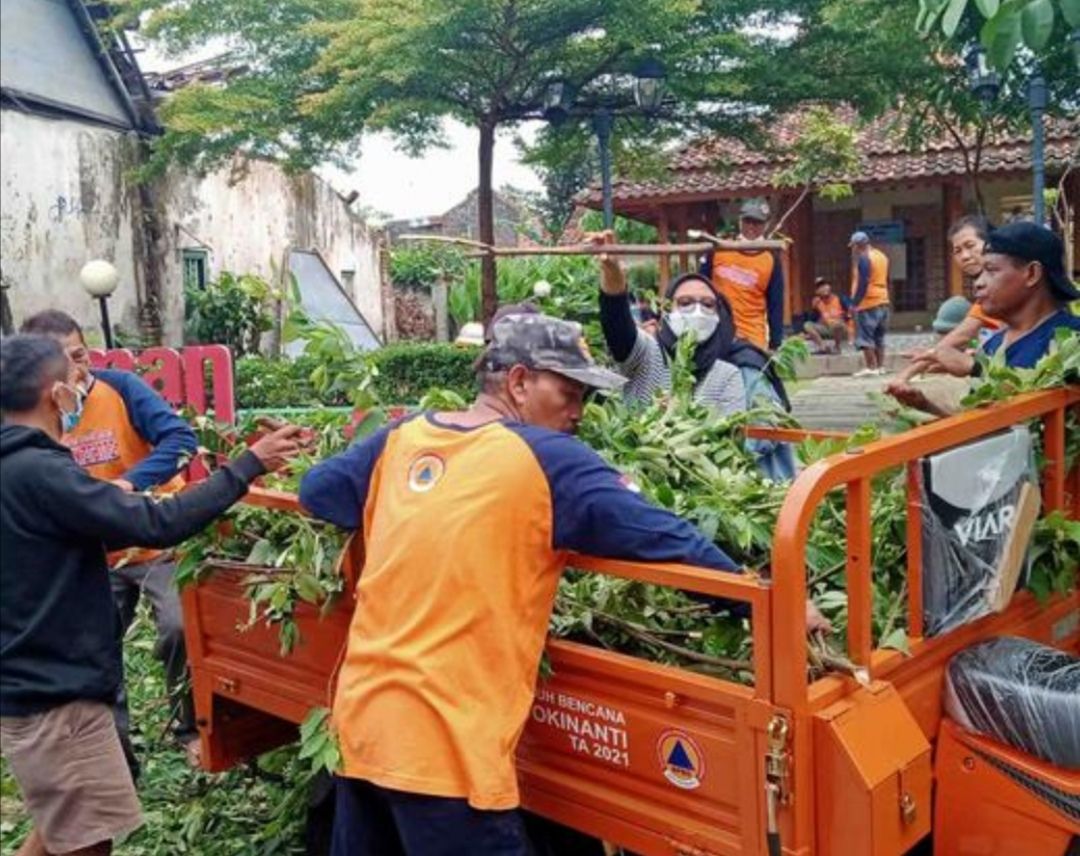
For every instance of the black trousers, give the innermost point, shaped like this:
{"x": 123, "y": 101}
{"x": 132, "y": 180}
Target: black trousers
{"x": 374, "y": 821}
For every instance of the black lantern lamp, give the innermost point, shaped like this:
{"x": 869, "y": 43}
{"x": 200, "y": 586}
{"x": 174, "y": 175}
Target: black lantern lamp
{"x": 558, "y": 99}
{"x": 984, "y": 82}
{"x": 649, "y": 84}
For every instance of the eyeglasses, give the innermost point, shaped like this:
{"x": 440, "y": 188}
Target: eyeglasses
{"x": 686, "y": 302}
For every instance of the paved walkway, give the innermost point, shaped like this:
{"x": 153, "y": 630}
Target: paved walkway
{"x": 834, "y": 403}
{"x": 898, "y": 346}
{"x": 829, "y": 398}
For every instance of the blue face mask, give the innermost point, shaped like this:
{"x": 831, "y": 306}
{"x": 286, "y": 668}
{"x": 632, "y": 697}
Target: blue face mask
{"x": 70, "y": 418}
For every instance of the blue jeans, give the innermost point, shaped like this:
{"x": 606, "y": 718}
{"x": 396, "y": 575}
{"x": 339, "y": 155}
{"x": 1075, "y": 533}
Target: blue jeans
{"x": 871, "y": 326}
{"x": 373, "y": 821}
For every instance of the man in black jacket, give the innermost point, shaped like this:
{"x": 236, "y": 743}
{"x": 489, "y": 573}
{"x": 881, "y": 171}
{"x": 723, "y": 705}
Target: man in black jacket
{"x": 60, "y": 656}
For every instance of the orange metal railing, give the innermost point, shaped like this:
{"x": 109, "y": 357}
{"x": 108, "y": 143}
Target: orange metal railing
{"x": 853, "y": 472}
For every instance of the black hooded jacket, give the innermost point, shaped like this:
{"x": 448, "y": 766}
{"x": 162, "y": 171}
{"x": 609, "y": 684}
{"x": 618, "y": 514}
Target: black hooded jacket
{"x": 59, "y": 631}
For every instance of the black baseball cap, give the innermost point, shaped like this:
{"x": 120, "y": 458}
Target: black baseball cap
{"x": 1030, "y": 242}
{"x": 544, "y": 343}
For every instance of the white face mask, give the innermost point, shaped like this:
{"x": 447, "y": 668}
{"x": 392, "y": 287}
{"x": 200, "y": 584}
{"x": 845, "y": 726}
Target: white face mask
{"x": 698, "y": 320}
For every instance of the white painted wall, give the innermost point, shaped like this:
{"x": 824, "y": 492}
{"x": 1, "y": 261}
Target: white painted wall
{"x": 64, "y": 200}
{"x": 250, "y": 214}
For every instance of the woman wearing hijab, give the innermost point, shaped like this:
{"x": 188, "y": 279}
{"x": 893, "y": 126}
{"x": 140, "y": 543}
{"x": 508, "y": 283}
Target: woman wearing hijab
{"x": 730, "y": 375}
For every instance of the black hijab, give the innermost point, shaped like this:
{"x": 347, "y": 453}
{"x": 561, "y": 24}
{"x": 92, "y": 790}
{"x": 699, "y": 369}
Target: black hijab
{"x": 712, "y": 349}
{"x": 722, "y": 344}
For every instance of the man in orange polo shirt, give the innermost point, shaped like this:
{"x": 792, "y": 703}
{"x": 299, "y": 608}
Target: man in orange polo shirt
{"x": 128, "y": 435}
{"x": 468, "y": 520}
{"x": 828, "y": 318}
{"x": 752, "y": 281}
{"x": 869, "y": 302}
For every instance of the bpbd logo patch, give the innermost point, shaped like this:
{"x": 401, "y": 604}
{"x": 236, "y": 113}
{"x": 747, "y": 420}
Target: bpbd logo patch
{"x": 681, "y": 760}
{"x": 425, "y": 472}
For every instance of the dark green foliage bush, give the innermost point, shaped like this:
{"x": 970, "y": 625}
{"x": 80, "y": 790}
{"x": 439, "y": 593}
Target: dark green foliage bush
{"x": 233, "y": 310}
{"x": 264, "y": 383}
{"x": 405, "y": 373}
{"x": 418, "y": 265}
{"x": 408, "y": 370}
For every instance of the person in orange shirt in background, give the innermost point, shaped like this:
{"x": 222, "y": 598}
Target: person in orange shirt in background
{"x": 128, "y": 435}
{"x": 869, "y": 301}
{"x": 828, "y": 318}
{"x": 967, "y": 239}
{"x": 752, "y": 281}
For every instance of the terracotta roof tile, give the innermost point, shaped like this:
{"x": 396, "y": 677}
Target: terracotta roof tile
{"x": 722, "y": 166}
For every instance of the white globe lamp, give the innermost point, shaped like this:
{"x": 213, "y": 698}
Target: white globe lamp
{"x": 99, "y": 279}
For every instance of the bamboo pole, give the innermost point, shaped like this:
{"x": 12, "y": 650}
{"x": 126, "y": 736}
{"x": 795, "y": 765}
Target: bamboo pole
{"x": 631, "y": 249}
{"x": 442, "y": 239}
{"x": 710, "y": 243}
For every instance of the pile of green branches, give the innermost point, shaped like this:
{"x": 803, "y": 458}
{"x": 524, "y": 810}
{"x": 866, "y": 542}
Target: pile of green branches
{"x": 684, "y": 458}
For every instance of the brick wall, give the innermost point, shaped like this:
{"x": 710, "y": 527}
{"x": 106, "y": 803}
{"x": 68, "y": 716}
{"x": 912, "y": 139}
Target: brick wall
{"x": 924, "y": 223}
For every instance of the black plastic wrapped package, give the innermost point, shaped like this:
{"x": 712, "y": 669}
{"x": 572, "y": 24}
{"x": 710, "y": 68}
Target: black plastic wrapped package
{"x": 1021, "y": 693}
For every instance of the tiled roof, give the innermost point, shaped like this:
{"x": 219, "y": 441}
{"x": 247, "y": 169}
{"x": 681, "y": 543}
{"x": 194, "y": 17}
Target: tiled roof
{"x": 721, "y": 166}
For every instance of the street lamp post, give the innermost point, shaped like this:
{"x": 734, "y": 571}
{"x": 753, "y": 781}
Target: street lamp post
{"x": 99, "y": 279}
{"x": 648, "y": 94}
{"x": 602, "y": 122}
{"x": 985, "y": 85}
{"x": 1037, "y": 105}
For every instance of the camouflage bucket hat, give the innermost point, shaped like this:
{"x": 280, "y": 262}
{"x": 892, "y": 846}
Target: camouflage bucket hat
{"x": 543, "y": 343}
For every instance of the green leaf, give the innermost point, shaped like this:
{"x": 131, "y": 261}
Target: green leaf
{"x": 1041, "y": 587}
{"x": 262, "y": 553}
{"x": 951, "y": 20}
{"x": 929, "y": 14}
{"x": 315, "y": 745}
{"x": 1037, "y": 23}
{"x": 1070, "y": 11}
{"x": 309, "y": 588}
{"x": 897, "y": 640}
{"x": 1001, "y": 36}
{"x": 988, "y": 7}
{"x": 315, "y": 719}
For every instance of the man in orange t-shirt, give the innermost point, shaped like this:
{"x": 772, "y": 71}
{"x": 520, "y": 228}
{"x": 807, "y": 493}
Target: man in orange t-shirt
{"x": 468, "y": 519}
{"x": 752, "y": 281}
{"x": 828, "y": 317}
{"x": 869, "y": 301}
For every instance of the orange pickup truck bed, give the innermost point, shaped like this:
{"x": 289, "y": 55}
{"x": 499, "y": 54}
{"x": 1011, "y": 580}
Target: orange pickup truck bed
{"x": 665, "y": 761}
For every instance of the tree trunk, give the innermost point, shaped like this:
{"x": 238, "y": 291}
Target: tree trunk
{"x": 489, "y": 299}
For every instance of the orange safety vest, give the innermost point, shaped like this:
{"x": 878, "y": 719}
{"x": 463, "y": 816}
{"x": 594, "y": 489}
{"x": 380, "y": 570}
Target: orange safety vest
{"x": 877, "y": 292}
{"x": 742, "y": 277}
{"x": 988, "y": 323}
{"x": 831, "y": 310}
{"x": 105, "y": 444}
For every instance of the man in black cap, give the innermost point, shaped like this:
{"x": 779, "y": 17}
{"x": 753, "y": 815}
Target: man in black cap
{"x": 468, "y": 519}
{"x": 1024, "y": 284}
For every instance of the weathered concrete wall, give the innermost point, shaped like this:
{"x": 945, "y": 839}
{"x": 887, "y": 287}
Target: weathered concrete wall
{"x": 65, "y": 198}
{"x": 250, "y": 214}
